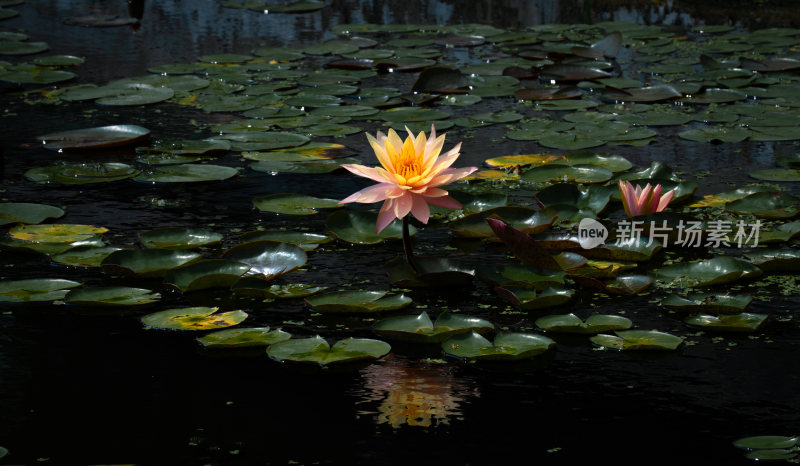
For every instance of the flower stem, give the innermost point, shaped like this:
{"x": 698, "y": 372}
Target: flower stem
{"x": 407, "y": 246}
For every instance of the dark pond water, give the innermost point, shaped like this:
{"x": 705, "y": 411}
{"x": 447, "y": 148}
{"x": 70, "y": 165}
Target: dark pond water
{"x": 78, "y": 388}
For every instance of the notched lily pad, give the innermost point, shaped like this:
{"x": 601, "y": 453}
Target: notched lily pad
{"x": 420, "y": 328}
{"x": 147, "y": 262}
{"x": 102, "y": 137}
{"x": 529, "y": 299}
{"x": 293, "y": 204}
{"x": 55, "y": 232}
{"x": 744, "y": 322}
{"x": 37, "y": 289}
{"x": 193, "y": 318}
{"x": 243, "y": 338}
{"x": 360, "y": 228}
{"x": 430, "y": 272}
{"x": 357, "y": 302}
{"x": 186, "y": 173}
{"x": 522, "y": 218}
{"x": 26, "y": 212}
{"x": 111, "y": 296}
{"x": 317, "y": 351}
{"x": 626, "y": 340}
{"x": 709, "y": 272}
{"x": 708, "y": 303}
{"x": 268, "y": 258}
{"x": 570, "y": 323}
{"x": 212, "y": 273}
{"x": 506, "y": 346}
{"x": 766, "y": 204}
{"x": 178, "y": 238}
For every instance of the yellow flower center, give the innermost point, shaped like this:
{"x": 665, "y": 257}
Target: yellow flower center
{"x": 408, "y": 164}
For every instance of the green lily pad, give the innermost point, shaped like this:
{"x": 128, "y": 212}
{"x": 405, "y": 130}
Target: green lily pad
{"x": 136, "y": 94}
{"x": 260, "y": 140}
{"x": 574, "y": 173}
{"x": 36, "y": 76}
{"x": 783, "y": 233}
{"x": 767, "y": 204}
{"x": 293, "y": 204}
{"x": 529, "y": 299}
{"x": 593, "y": 198}
{"x": 269, "y": 258}
{"x": 656, "y": 93}
{"x": 629, "y": 249}
{"x": 638, "y": 340}
{"x": 50, "y": 248}
{"x": 243, "y": 338}
{"x": 254, "y": 286}
{"x": 25, "y": 212}
{"x": 317, "y": 351}
{"x": 55, "y": 232}
{"x": 147, "y": 262}
{"x": 212, "y": 273}
{"x": 656, "y": 118}
{"x": 506, "y": 346}
{"x": 412, "y": 114}
{"x": 522, "y": 218}
{"x": 776, "y": 174}
{"x": 712, "y": 200}
{"x": 709, "y": 272}
{"x": 75, "y": 173}
{"x": 14, "y": 47}
{"x": 102, "y": 137}
{"x": 420, "y": 328}
{"x": 306, "y": 167}
{"x": 570, "y": 323}
{"x": 186, "y": 173}
{"x": 743, "y": 322}
{"x": 111, "y": 296}
{"x": 611, "y": 162}
{"x": 39, "y": 289}
{"x": 83, "y": 256}
{"x": 522, "y": 276}
{"x": 440, "y": 80}
{"x": 178, "y": 238}
{"x": 360, "y": 227}
{"x": 186, "y": 146}
{"x": 776, "y": 260}
{"x": 306, "y": 241}
{"x": 716, "y": 133}
{"x": 708, "y": 303}
{"x": 766, "y": 442}
{"x": 430, "y": 272}
{"x": 356, "y": 302}
{"x": 193, "y": 318}
{"x": 623, "y": 285}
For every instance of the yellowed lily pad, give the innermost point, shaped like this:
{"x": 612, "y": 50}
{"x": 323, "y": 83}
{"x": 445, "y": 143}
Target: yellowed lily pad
{"x": 194, "y": 318}
{"x": 55, "y": 233}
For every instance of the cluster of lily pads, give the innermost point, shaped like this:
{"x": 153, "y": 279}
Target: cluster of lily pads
{"x": 566, "y": 87}
{"x": 770, "y": 447}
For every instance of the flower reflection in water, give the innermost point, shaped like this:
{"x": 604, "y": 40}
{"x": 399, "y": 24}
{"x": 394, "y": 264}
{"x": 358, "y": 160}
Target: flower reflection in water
{"x": 414, "y": 393}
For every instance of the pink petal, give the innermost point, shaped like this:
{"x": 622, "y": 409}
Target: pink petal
{"x": 665, "y": 200}
{"x": 653, "y": 204}
{"x": 449, "y": 175}
{"x": 641, "y": 201}
{"x": 402, "y": 205}
{"x": 430, "y": 192}
{"x": 368, "y": 195}
{"x": 445, "y": 201}
{"x": 625, "y": 191}
{"x": 447, "y": 159}
{"x": 386, "y": 215}
{"x": 420, "y": 209}
{"x": 367, "y": 172}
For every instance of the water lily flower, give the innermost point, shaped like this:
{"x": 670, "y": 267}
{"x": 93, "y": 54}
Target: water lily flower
{"x": 409, "y": 177}
{"x": 640, "y": 201}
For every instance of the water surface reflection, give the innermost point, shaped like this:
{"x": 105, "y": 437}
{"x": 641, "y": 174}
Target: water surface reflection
{"x": 401, "y": 392}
